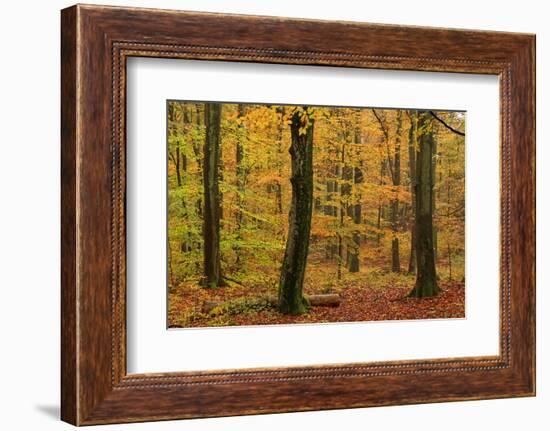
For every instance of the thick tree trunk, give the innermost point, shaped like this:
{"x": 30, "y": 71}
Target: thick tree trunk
{"x": 412, "y": 176}
{"x": 211, "y": 230}
{"x": 426, "y": 279}
{"x": 291, "y": 299}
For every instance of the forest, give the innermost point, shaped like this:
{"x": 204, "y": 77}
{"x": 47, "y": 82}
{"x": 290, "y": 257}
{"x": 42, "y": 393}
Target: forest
{"x": 284, "y": 214}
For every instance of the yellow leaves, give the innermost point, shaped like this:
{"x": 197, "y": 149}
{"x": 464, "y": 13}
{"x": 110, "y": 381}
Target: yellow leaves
{"x": 270, "y": 179}
{"x": 306, "y": 115}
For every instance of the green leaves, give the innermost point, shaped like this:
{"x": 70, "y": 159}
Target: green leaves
{"x": 255, "y": 193}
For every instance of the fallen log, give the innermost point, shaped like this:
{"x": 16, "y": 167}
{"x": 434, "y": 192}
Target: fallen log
{"x": 322, "y": 300}
{"x": 325, "y": 300}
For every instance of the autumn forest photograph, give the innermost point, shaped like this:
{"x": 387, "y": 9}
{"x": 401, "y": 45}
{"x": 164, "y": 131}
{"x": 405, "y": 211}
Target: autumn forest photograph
{"x": 296, "y": 214}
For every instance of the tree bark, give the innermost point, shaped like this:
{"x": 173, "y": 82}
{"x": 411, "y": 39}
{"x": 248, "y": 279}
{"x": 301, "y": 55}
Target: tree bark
{"x": 211, "y": 228}
{"x": 380, "y": 209}
{"x": 412, "y": 176}
{"x": 345, "y": 175}
{"x": 394, "y": 206}
{"x": 433, "y": 176}
{"x": 330, "y": 210}
{"x": 354, "y": 211}
{"x": 426, "y": 279}
{"x": 181, "y": 167}
{"x": 291, "y": 299}
{"x": 279, "y": 190}
{"x": 240, "y": 178}
{"x": 199, "y": 117}
{"x": 449, "y": 255}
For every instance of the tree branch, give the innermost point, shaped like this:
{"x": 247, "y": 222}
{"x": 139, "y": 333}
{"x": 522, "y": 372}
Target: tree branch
{"x": 452, "y": 129}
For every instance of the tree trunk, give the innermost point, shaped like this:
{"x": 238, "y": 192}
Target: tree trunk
{"x": 211, "y": 228}
{"x": 178, "y": 169}
{"x": 240, "y": 180}
{"x": 181, "y": 166}
{"x": 379, "y": 215}
{"x": 345, "y": 175}
{"x": 394, "y": 206}
{"x": 354, "y": 211}
{"x": 449, "y": 255}
{"x": 412, "y": 176}
{"x": 330, "y": 210}
{"x": 173, "y": 282}
{"x": 433, "y": 176}
{"x": 279, "y": 190}
{"x": 291, "y": 299}
{"x": 426, "y": 279}
{"x": 199, "y": 117}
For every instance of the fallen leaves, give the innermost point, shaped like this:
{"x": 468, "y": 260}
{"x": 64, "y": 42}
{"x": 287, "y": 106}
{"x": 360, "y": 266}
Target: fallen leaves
{"x": 360, "y": 302}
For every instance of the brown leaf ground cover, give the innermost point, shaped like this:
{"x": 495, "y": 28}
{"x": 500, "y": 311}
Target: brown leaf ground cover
{"x": 364, "y": 298}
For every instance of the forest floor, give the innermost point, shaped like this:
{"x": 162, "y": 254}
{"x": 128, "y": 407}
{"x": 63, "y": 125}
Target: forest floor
{"x": 366, "y": 296}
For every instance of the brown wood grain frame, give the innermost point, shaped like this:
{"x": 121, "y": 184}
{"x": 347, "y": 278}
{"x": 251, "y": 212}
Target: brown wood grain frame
{"x": 96, "y": 41}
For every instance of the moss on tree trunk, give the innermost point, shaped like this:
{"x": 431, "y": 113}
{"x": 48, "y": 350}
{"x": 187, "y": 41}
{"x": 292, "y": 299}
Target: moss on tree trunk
{"x": 426, "y": 279}
{"x": 291, "y": 297}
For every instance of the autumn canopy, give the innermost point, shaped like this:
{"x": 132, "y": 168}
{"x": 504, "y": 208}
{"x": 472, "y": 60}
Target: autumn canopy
{"x": 283, "y": 214}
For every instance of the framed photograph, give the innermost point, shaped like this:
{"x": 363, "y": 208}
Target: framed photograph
{"x": 264, "y": 214}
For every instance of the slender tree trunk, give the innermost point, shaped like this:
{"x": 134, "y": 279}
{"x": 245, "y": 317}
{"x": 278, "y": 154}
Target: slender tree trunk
{"x": 178, "y": 171}
{"x": 291, "y": 298}
{"x": 345, "y": 175}
{"x": 426, "y": 279}
{"x": 171, "y": 131}
{"x": 279, "y": 198}
{"x": 412, "y": 176}
{"x": 199, "y": 117}
{"x": 181, "y": 167}
{"x": 385, "y": 164}
{"x": 172, "y": 278}
{"x": 433, "y": 176}
{"x": 379, "y": 216}
{"x": 450, "y": 263}
{"x": 279, "y": 191}
{"x": 211, "y": 228}
{"x": 240, "y": 174}
{"x": 330, "y": 210}
{"x": 354, "y": 211}
{"x": 449, "y": 255}
{"x": 394, "y": 207}
{"x": 239, "y": 156}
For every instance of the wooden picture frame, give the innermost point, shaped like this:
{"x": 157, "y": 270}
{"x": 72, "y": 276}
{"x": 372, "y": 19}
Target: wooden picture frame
{"x": 95, "y": 43}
